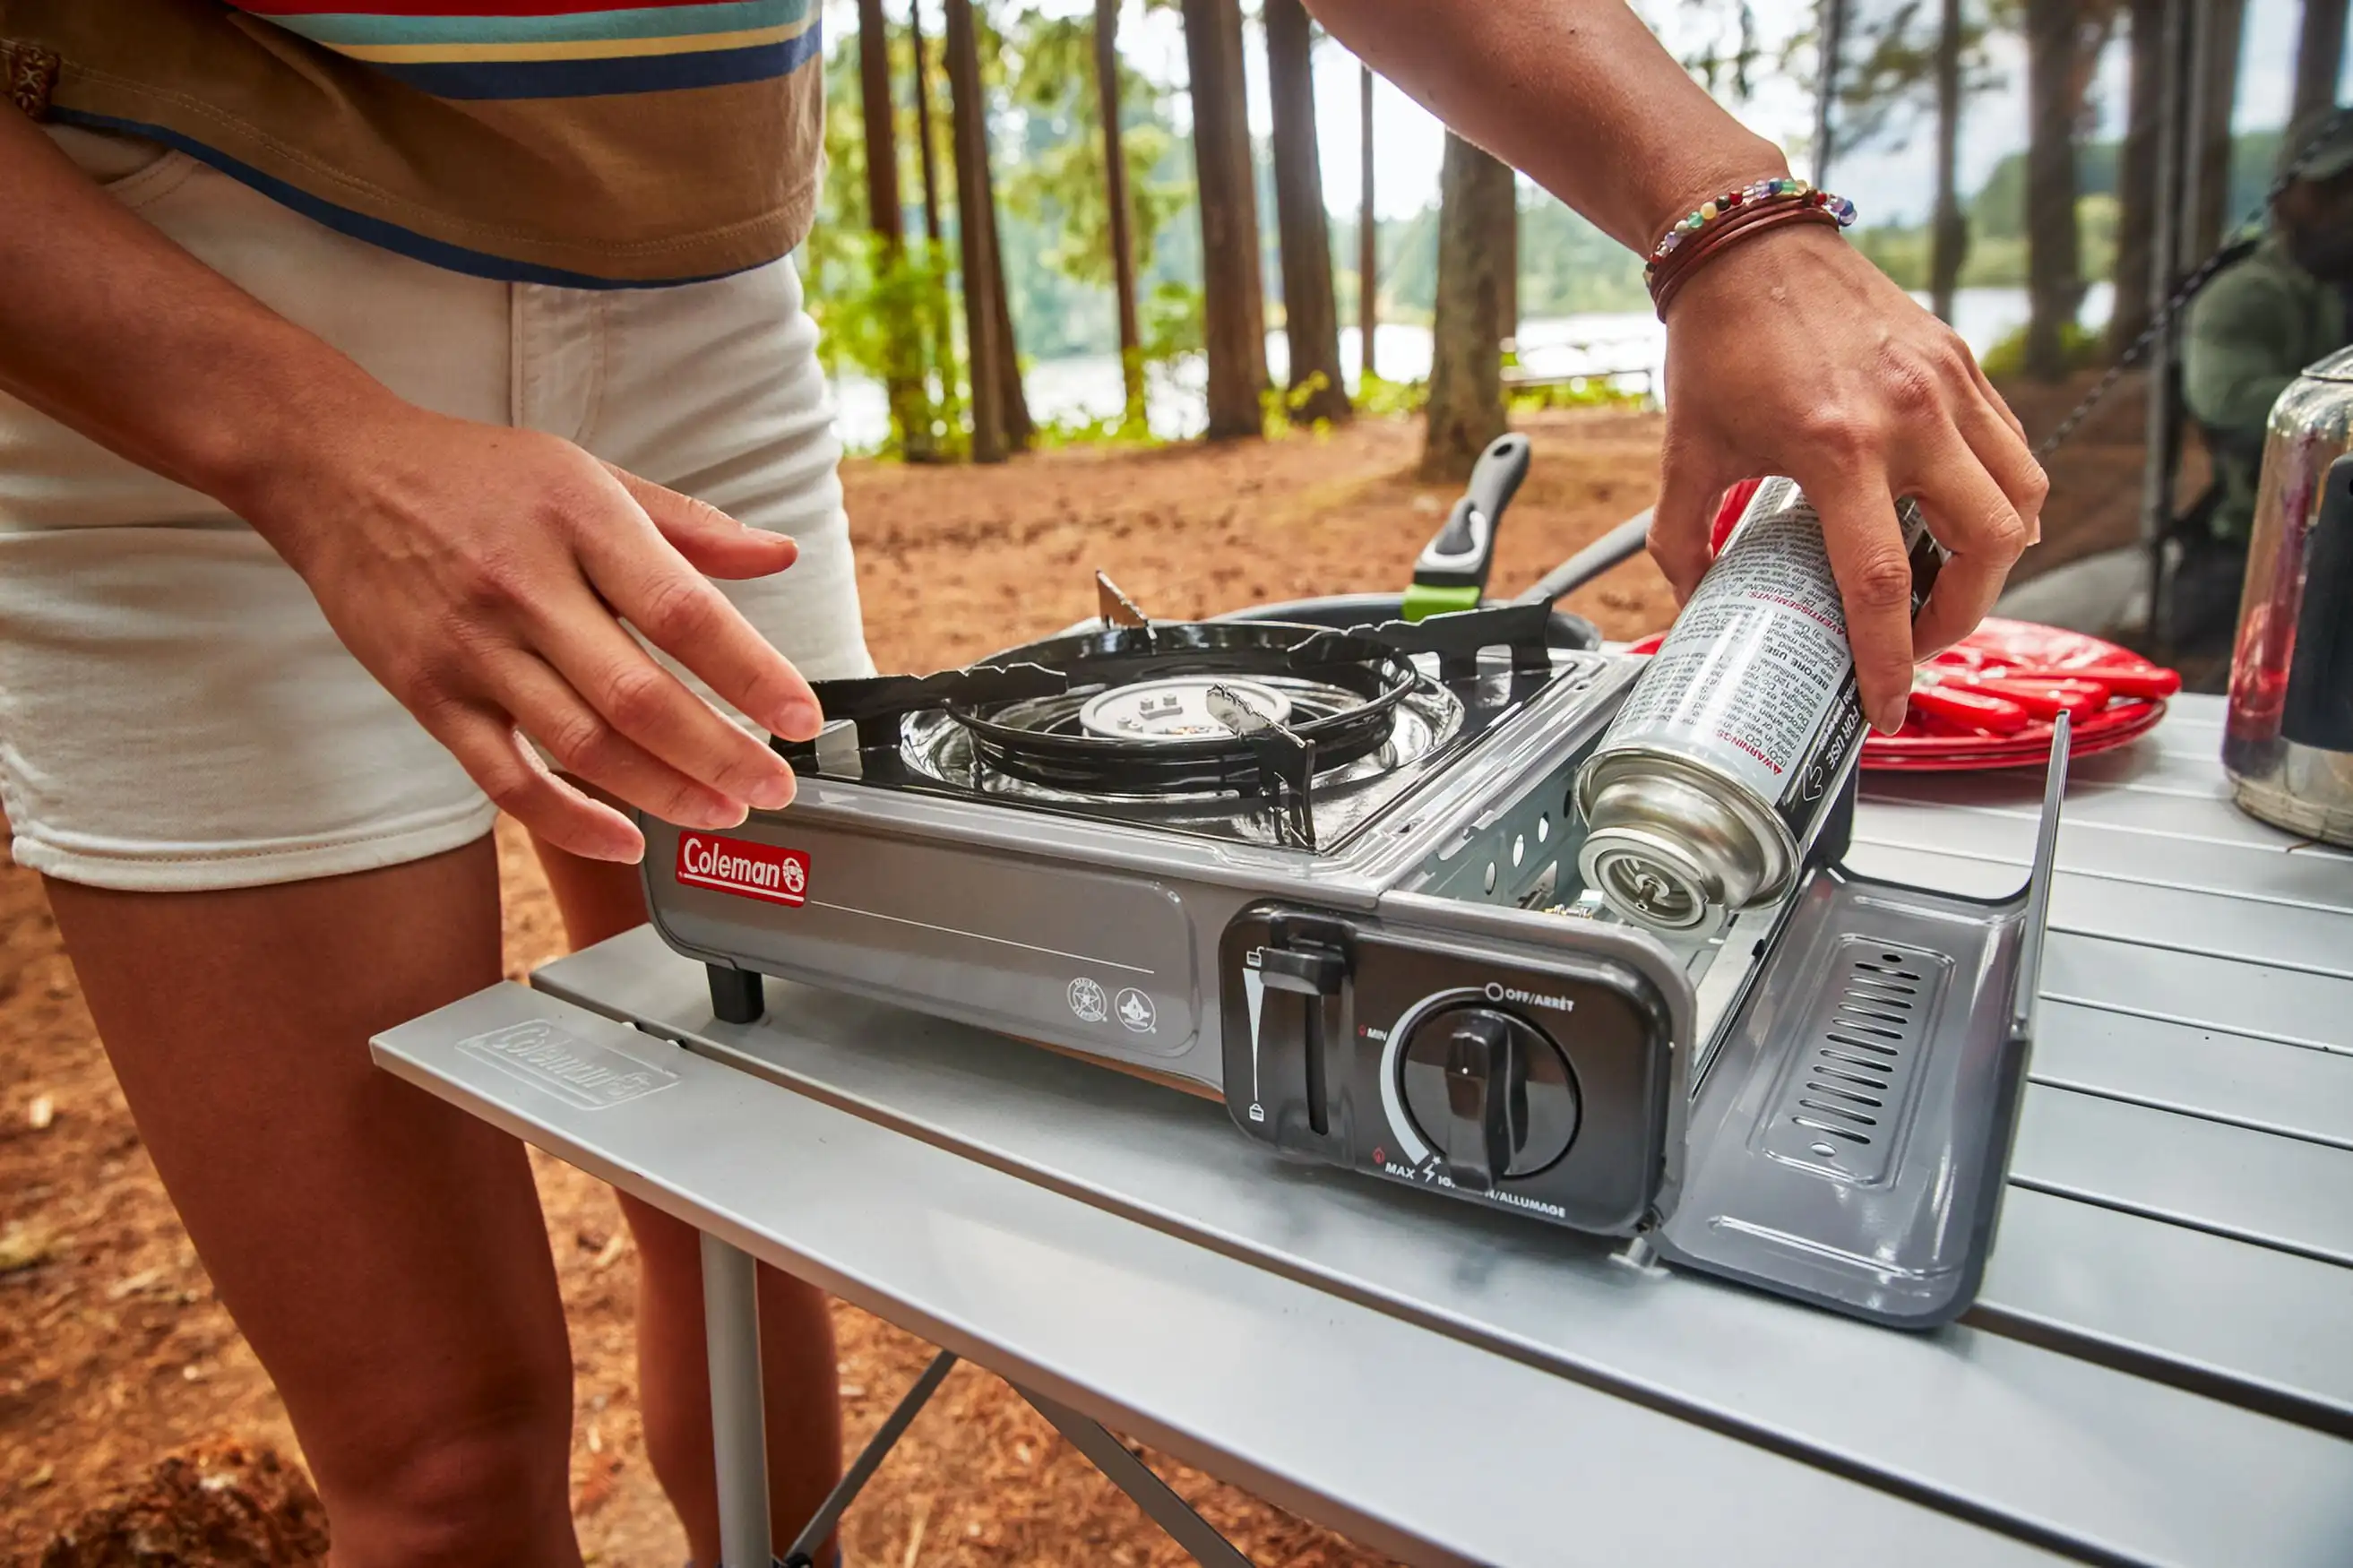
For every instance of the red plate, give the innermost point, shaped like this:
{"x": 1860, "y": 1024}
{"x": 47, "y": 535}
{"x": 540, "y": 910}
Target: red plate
{"x": 1996, "y": 651}
{"x": 2122, "y": 722}
{"x": 1999, "y": 653}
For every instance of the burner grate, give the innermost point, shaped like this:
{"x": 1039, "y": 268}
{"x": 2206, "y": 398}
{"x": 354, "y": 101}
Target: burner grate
{"x": 1341, "y": 704}
{"x": 879, "y": 704}
{"x": 1317, "y": 730}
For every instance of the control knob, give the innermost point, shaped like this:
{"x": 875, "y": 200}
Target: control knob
{"x": 1489, "y": 1092}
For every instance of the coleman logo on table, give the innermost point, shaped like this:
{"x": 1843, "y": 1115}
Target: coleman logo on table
{"x": 740, "y": 866}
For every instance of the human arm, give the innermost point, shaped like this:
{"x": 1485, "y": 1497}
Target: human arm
{"x": 482, "y": 574}
{"x": 1788, "y": 354}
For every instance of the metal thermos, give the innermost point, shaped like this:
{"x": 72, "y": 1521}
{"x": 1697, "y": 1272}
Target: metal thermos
{"x": 2288, "y": 741}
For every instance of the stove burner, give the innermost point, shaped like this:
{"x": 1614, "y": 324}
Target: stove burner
{"x": 1176, "y": 708}
{"x": 1249, "y": 730}
{"x": 1331, "y": 696}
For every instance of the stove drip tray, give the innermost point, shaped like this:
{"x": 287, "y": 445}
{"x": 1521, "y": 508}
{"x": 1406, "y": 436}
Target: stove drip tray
{"x": 1848, "y": 1142}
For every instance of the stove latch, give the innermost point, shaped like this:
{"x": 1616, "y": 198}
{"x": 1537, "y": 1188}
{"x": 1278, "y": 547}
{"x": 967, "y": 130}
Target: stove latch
{"x": 1310, "y": 971}
{"x": 1298, "y": 981}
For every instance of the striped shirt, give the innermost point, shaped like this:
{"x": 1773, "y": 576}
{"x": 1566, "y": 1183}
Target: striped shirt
{"x": 527, "y": 48}
{"x": 563, "y": 142}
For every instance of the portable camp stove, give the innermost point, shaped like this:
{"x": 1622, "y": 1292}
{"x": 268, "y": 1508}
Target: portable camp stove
{"x": 1330, "y": 876}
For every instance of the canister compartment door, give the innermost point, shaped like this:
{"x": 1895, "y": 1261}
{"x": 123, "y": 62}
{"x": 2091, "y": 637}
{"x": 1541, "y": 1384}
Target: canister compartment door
{"x": 1850, "y": 1141}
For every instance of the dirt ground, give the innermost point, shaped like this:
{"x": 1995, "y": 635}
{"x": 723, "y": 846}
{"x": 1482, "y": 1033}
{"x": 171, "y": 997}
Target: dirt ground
{"x": 115, "y": 1356}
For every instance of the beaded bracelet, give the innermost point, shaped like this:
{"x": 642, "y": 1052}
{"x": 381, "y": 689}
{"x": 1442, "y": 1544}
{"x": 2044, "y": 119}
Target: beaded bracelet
{"x": 1745, "y": 224}
{"x": 1740, "y": 213}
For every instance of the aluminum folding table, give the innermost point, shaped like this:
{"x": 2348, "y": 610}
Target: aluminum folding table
{"x": 2159, "y": 1368}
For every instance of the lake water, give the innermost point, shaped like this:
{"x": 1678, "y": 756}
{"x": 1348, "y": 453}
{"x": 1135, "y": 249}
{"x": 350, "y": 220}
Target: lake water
{"x": 1632, "y": 345}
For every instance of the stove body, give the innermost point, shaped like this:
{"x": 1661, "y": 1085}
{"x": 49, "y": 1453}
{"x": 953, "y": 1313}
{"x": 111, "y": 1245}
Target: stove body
{"x": 1394, "y": 969}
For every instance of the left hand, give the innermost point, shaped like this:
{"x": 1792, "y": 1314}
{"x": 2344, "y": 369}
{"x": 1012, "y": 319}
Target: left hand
{"x": 1793, "y": 355}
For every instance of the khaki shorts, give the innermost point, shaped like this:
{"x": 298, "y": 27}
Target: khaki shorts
{"x": 175, "y": 712}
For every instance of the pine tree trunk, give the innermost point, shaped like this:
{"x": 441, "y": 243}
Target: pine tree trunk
{"x": 1830, "y": 71}
{"x": 1311, "y": 316}
{"x": 2053, "y": 263}
{"x": 1950, "y": 238}
{"x": 969, "y": 139}
{"x": 881, "y": 126}
{"x": 1123, "y": 246}
{"x": 2215, "y": 65}
{"x": 939, "y": 332}
{"x": 2136, "y": 166}
{"x": 2319, "y": 58}
{"x": 1232, "y": 301}
{"x": 1507, "y": 252}
{"x": 1020, "y": 430}
{"x": 1466, "y": 385}
{"x": 1368, "y": 232}
{"x": 1011, "y": 397}
{"x": 923, "y": 123}
{"x": 911, "y": 413}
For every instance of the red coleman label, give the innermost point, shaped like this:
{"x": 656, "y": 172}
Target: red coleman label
{"x": 737, "y": 866}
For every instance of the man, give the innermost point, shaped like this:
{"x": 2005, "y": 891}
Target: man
{"x": 2261, "y": 320}
{"x": 372, "y": 372}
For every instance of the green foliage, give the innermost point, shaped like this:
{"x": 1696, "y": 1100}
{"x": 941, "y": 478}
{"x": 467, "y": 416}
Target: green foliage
{"x": 1112, "y": 430}
{"x": 1057, "y": 182}
{"x": 1576, "y": 391}
{"x": 1378, "y": 396}
{"x": 1279, "y": 409}
{"x": 1567, "y": 267}
{"x": 1993, "y": 261}
{"x": 876, "y": 307}
{"x": 2083, "y": 346}
{"x": 1887, "y": 86}
{"x": 1173, "y": 322}
{"x": 888, "y": 319}
{"x": 1999, "y": 207}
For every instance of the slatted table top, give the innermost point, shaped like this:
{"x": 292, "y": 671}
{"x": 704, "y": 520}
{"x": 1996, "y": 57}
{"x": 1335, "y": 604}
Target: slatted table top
{"x": 2159, "y": 1369}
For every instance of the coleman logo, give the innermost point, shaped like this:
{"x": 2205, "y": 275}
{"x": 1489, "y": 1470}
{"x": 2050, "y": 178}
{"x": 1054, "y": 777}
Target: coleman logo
{"x": 750, "y": 871}
{"x": 581, "y": 1072}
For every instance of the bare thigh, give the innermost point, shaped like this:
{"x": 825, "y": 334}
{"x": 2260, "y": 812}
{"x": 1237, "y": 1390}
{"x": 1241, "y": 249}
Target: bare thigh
{"x": 383, "y": 1252}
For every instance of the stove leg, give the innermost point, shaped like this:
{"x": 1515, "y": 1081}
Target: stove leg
{"x": 736, "y": 995}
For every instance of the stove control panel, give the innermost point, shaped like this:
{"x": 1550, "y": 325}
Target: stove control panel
{"x": 1536, "y": 1082}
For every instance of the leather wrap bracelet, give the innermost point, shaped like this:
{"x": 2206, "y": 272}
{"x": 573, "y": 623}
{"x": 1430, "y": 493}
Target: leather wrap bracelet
{"x": 1726, "y": 220}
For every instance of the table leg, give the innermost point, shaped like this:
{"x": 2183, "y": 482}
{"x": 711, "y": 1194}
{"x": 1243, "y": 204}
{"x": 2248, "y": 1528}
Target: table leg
{"x": 870, "y": 1460}
{"x": 1199, "y": 1539}
{"x": 730, "y": 1322}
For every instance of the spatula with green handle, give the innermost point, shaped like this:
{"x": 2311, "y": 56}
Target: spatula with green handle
{"x": 1451, "y": 573}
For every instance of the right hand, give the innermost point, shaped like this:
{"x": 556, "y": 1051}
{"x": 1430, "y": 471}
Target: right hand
{"x": 483, "y": 575}
{"x": 1793, "y": 355}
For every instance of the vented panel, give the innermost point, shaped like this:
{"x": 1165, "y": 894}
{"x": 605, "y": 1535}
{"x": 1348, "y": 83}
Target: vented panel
{"x": 1841, "y": 1105}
